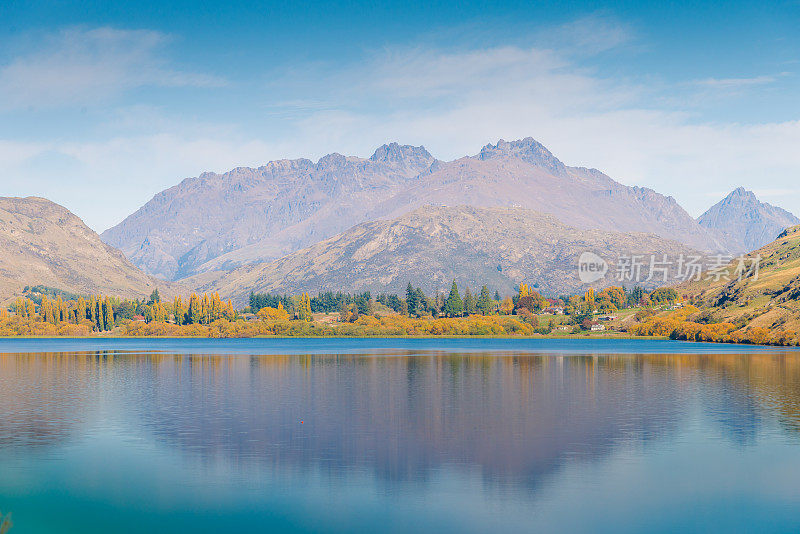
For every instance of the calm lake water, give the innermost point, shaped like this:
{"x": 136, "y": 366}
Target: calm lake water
{"x": 134, "y": 436}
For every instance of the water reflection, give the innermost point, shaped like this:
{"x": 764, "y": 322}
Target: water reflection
{"x": 516, "y": 419}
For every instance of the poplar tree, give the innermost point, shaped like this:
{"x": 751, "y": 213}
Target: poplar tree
{"x": 205, "y": 309}
{"x": 80, "y": 312}
{"x": 304, "y": 310}
{"x": 177, "y": 310}
{"x": 45, "y": 309}
{"x": 195, "y": 313}
{"x": 109, "y": 314}
{"x": 98, "y": 313}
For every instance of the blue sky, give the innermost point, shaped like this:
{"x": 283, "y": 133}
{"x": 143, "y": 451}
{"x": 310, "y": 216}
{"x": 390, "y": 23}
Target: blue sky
{"x": 104, "y": 104}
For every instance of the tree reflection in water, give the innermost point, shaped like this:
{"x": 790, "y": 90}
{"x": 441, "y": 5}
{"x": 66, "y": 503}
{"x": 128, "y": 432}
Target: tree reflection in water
{"x": 513, "y": 418}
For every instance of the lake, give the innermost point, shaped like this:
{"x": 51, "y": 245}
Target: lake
{"x": 398, "y": 435}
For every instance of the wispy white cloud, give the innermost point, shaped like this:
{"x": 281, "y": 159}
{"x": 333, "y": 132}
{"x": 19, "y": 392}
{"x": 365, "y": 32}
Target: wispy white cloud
{"x": 452, "y": 101}
{"x": 735, "y": 83}
{"x": 104, "y": 181}
{"x": 592, "y": 34}
{"x": 776, "y": 193}
{"x": 79, "y": 66}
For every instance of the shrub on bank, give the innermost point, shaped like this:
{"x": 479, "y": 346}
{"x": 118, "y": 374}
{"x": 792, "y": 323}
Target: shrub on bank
{"x": 677, "y": 326}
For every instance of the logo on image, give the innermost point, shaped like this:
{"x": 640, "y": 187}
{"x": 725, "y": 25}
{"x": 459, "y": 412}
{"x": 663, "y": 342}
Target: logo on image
{"x": 591, "y": 267}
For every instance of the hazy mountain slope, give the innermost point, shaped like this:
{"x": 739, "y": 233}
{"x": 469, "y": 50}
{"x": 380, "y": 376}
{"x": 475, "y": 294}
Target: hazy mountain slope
{"x": 284, "y": 205}
{"x": 434, "y": 245}
{"x": 744, "y": 223}
{"x": 44, "y": 243}
{"x": 249, "y": 215}
{"x": 524, "y": 174}
{"x": 770, "y": 298}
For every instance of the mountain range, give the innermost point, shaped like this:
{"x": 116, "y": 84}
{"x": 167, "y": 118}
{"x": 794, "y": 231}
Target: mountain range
{"x": 432, "y": 246}
{"x": 511, "y": 213}
{"x": 220, "y": 222}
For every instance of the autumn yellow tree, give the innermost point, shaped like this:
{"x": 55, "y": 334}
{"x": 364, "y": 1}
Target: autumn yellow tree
{"x": 304, "y": 308}
{"x": 46, "y": 310}
{"x": 507, "y": 306}
{"x": 589, "y": 297}
{"x": 273, "y": 314}
{"x": 230, "y": 313}
{"x": 178, "y": 310}
{"x": 524, "y": 290}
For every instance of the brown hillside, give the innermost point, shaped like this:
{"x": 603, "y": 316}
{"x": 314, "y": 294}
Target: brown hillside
{"x": 433, "y": 246}
{"x": 42, "y": 243}
{"x": 771, "y": 299}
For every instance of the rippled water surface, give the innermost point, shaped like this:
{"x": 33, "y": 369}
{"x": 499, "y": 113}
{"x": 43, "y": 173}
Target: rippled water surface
{"x": 336, "y": 435}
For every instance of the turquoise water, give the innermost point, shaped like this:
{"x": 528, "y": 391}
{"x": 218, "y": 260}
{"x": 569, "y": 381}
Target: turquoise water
{"x": 402, "y": 435}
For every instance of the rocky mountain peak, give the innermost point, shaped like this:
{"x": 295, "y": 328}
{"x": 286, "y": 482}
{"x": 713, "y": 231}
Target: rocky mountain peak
{"x": 394, "y": 153}
{"x": 528, "y": 150}
{"x": 743, "y": 220}
{"x": 740, "y": 194}
{"x": 331, "y": 161}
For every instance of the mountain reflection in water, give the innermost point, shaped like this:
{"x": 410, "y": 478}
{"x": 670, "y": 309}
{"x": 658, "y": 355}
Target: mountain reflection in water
{"x": 516, "y": 419}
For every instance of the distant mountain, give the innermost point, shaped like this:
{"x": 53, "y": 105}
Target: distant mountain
{"x": 42, "y": 243}
{"x": 743, "y": 223}
{"x": 432, "y": 246}
{"x": 284, "y": 205}
{"x": 219, "y": 222}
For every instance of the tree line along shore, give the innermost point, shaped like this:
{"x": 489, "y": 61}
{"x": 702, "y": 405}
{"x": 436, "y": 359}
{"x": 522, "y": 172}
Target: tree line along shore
{"x": 613, "y": 311}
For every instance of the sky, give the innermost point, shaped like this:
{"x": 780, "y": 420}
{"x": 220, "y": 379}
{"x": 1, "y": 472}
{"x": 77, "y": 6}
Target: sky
{"x": 103, "y": 104}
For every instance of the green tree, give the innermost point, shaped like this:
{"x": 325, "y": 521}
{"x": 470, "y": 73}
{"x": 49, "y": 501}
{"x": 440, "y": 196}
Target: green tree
{"x": 195, "y": 314}
{"x": 154, "y": 297}
{"x": 304, "y": 308}
{"x": 178, "y": 310}
{"x": 484, "y": 304}
{"x": 411, "y": 299}
{"x": 635, "y": 296}
{"x": 469, "y": 302}
{"x": 454, "y": 306}
{"x": 108, "y": 311}
{"x": 664, "y": 295}
{"x": 92, "y": 315}
{"x": 100, "y": 318}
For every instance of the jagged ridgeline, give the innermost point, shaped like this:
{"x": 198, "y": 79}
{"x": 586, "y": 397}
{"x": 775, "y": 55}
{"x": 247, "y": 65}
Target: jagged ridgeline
{"x": 218, "y": 222}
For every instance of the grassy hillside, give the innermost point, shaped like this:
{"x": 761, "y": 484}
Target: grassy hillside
{"x": 769, "y": 298}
